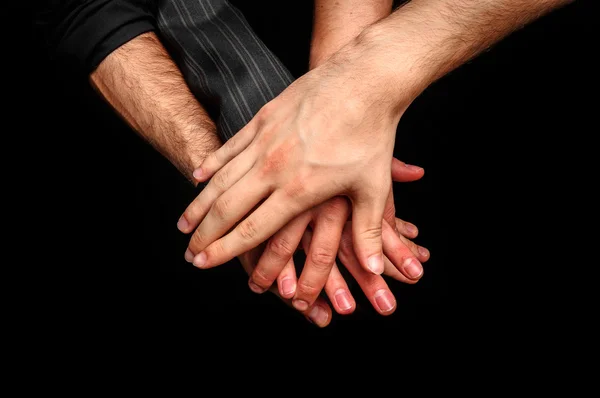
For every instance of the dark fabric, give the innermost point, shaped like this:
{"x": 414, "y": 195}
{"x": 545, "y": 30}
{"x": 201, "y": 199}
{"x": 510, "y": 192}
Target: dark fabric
{"x": 83, "y": 32}
{"x": 228, "y": 68}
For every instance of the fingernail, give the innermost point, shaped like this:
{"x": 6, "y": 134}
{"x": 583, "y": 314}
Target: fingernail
{"x": 200, "y": 260}
{"x": 385, "y": 301}
{"x": 411, "y": 229}
{"x": 342, "y": 298}
{"x": 375, "y": 264}
{"x": 189, "y": 256}
{"x": 423, "y": 252}
{"x": 300, "y": 305}
{"x": 318, "y": 315}
{"x": 197, "y": 173}
{"x": 182, "y": 224}
{"x": 288, "y": 286}
{"x": 255, "y": 288}
{"x": 413, "y": 167}
{"x": 413, "y": 268}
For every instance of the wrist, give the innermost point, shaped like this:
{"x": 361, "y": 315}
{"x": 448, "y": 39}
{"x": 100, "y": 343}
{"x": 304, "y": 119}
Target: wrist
{"x": 197, "y": 141}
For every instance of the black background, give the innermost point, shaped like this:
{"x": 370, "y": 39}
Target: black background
{"x": 505, "y": 141}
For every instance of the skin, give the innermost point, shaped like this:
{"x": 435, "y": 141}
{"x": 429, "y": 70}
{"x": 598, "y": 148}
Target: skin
{"x": 146, "y": 89}
{"x": 332, "y": 132}
{"x": 335, "y": 24}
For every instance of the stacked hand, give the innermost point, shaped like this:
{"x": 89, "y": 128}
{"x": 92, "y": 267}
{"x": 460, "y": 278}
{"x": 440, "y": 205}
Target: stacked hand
{"x": 319, "y": 142}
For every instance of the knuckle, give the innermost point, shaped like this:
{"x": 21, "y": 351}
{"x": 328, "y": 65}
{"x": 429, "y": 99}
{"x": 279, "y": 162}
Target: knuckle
{"x": 265, "y": 112}
{"x": 337, "y": 205}
{"x": 262, "y": 278}
{"x": 295, "y": 188}
{"x": 216, "y": 249}
{"x": 220, "y": 179}
{"x": 409, "y": 244}
{"x": 372, "y": 284}
{"x": 219, "y": 156}
{"x": 371, "y": 233}
{"x": 221, "y": 208}
{"x": 213, "y": 160}
{"x": 322, "y": 259}
{"x": 307, "y": 288}
{"x": 274, "y": 162}
{"x": 231, "y": 144}
{"x": 197, "y": 242}
{"x": 281, "y": 248}
{"x": 248, "y": 229}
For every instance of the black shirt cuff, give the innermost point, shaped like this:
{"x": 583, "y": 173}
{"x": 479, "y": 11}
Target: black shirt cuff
{"x": 91, "y": 30}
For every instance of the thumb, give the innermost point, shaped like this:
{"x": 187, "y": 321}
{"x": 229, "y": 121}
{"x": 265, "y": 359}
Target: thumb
{"x": 367, "y": 217}
{"x": 403, "y": 172}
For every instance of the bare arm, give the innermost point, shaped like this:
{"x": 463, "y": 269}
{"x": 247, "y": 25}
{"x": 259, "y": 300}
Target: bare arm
{"x": 425, "y": 39}
{"x": 338, "y": 22}
{"x": 143, "y": 84}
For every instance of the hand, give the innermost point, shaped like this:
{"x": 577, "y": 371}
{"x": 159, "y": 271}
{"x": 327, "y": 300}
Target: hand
{"x": 374, "y": 286}
{"x": 319, "y": 313}
{"x": 327, "y": 221}
{"x": 322, "y": 137}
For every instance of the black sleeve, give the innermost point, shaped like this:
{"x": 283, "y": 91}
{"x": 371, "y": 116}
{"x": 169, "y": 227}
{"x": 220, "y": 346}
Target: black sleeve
{"x": 84, "y": 32}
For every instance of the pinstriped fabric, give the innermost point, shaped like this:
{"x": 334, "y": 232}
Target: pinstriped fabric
{"x": 227, "y": 67}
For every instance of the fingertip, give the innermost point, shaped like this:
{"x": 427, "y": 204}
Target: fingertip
{"x": 182, "y": 224}
{"x": 385, "y": 302}
{"x": 411, "y": 230}
{"x": 287, "y": 287}
{"x": 413, "y": 168}
{"x": 344, "y": 301}
{"x": 199, "y": 174}
{"x": 200, "y": 260}
{"x": 319, "y": 316}
{"x": 424, "y": 253}
{"x": 255, "y": 288}
{"x": 412, "y": 268}
{"x": 189, "y": 256}
{"x": 375, "y": 264}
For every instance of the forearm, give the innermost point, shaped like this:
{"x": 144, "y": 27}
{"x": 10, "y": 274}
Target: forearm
{"x": 147, "y": 90}
{"x": 425, "y": 39}
{"x": 338, "y": 22}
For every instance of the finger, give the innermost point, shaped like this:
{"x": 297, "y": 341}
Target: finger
{"x": 327, "y": 232}
{"x": 400, "y": 255}
{"x": 391, "y": 271}
{"x": 374, "y": 286}
{"x": 227, "y": 210}
{"x": 338, "y": 292}
{"x": 389, "y": 213}
{"x": 367, "y": 216}
{"x": 420, "y": 252}
{"x": 260, "y": 225}
{"x": 404, "y": 228}
{"x": 287, "y": 281}
{"x": 402, "y": 172}
{"x": 278, "y": 252}
{"x": 221, "y": 182}
{"x": 319, "y": 313}
{"x": 219, "y": 158}
{"x": 306, "y": 239}
{"x": 321, "y": 316}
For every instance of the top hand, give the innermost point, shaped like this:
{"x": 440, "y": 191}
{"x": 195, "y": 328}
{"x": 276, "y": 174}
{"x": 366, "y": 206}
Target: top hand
{"x": 324, "y": 136}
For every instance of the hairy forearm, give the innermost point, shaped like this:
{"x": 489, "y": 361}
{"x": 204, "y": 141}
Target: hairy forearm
{"x": 425, "y": 39}
{"x": 338, "y": 22}
{"x": 145, "y": 87}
